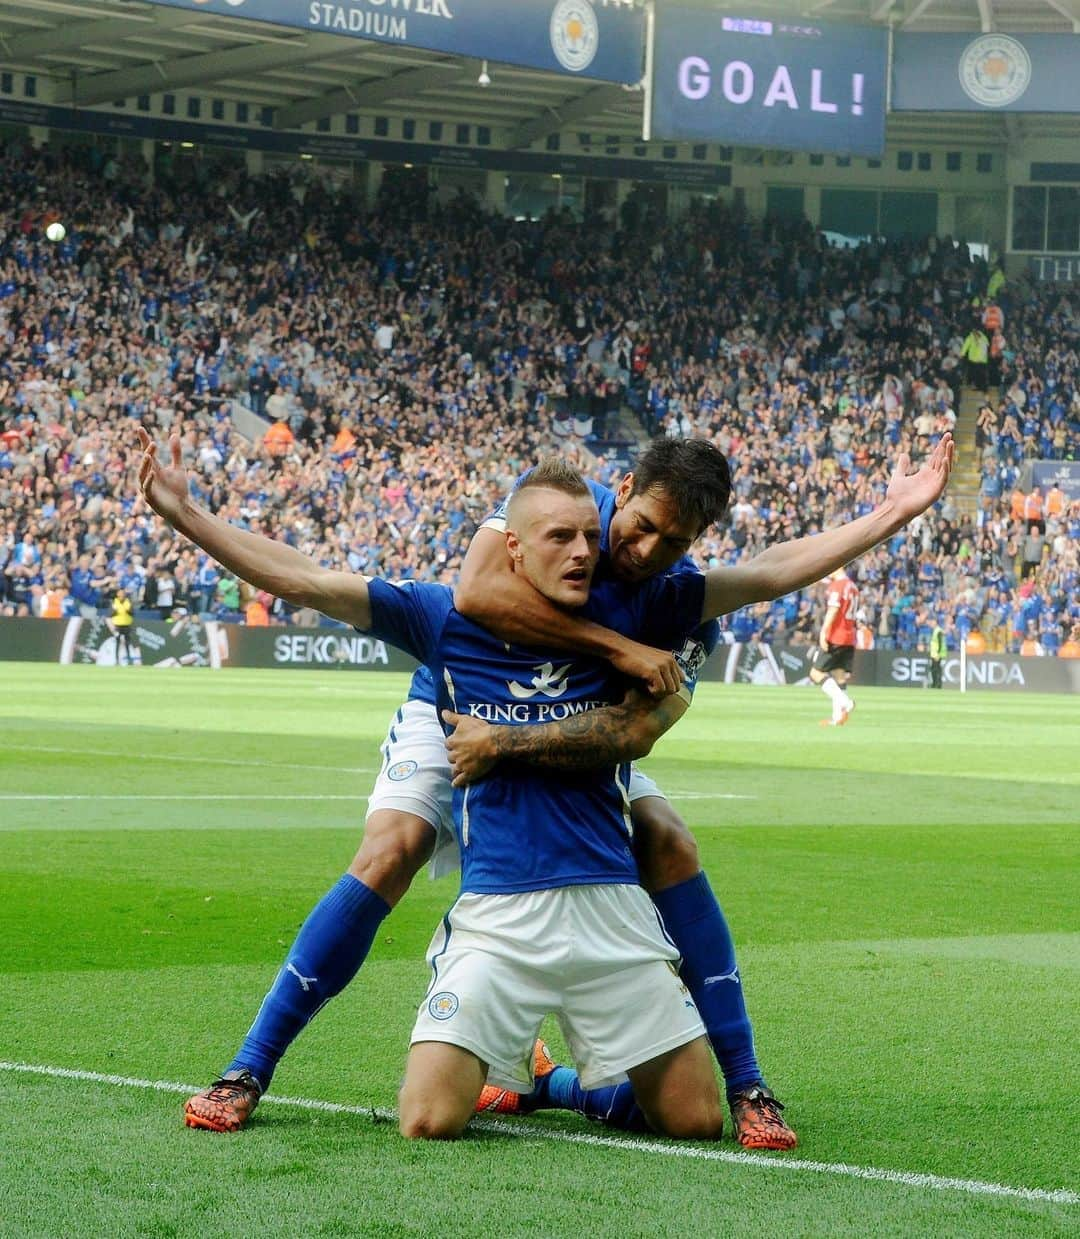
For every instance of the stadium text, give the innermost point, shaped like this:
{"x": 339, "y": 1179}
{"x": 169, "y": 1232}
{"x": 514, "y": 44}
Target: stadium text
{"x": 979, "y": 671}
{"x": 359, "y": 21}
{"x": 737, "y": 85}
{"x": 523, "y": 712}
{"x": 329, "y": 649}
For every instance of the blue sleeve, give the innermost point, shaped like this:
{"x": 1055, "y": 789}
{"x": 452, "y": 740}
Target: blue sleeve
{"x": 410, "y": 615}
{"x": 694, "y": 654}
{"x": 673, "y": 621}
{"x": 671, "y": 607}
{"x": 599, "y": 492}
{"x": 496, "y": 518}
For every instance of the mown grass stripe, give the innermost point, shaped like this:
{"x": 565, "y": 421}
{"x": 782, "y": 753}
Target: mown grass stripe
{"x": 523, "y": 1129}
{"x": 243, "y": 762}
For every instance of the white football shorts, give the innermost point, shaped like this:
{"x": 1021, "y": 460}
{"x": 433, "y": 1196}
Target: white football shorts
{"x": 596, "y": 957}
{"x": 415, "y": 778}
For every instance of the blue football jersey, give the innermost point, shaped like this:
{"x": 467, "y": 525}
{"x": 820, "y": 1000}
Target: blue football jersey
{"x": 422, "y": 686}
{"x": 521, "y": 828}
{"x": 691, "y": 650}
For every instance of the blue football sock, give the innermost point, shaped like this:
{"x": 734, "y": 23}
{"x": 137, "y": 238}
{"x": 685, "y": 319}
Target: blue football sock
{"x": 710, "y": 972}
{"x": 613, "y": 1106}
{"x": 332, "y": 944}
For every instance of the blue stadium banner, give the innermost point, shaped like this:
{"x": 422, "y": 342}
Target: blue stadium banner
{"x": 796, "y": 84}
{"x": 986, "y": 73}
{"x": 600, "y": 39}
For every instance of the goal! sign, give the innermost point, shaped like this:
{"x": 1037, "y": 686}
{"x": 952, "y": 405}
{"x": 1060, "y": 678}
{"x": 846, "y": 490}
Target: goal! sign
{"x": 793, "y": 84}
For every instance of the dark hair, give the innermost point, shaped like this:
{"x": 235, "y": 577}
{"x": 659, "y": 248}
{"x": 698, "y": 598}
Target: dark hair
{"x": 552, "y": 473}
{"x": 692, "y": 473}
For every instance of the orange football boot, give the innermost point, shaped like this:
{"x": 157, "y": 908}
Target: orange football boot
{"x": 226, "y": 1105}
{"x": 755, "y": 1113}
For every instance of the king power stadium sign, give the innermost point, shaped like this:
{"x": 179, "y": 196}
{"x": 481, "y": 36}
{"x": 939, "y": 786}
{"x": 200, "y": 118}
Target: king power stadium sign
{"x": 601, "y": 39}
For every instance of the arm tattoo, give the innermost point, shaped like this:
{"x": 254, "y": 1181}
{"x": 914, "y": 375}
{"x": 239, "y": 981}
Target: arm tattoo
{"x": 596, "y": 738}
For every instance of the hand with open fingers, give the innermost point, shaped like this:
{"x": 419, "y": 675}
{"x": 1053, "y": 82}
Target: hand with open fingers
{"x": 656, "y": 669}
{"x": 470, "y": 747}
{"x": 912, "y": 493}
{"x": 164, "y": 487}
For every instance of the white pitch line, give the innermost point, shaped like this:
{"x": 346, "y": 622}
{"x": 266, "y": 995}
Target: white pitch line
{"x": 254, "y": 796}
{"x": 178, "y": 796}
{"x": 202, "y": 761}
{"x": 523, "y": 1129}
{"x": 711, "y": 796}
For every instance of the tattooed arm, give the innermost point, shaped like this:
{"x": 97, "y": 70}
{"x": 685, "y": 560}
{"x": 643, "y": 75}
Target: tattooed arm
{"x": 603, "y": 737}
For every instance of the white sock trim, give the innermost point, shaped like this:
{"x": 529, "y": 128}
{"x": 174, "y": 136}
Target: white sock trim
{"x": 832, "y": 690}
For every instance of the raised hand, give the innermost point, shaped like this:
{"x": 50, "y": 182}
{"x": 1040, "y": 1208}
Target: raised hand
{"x": 164, "y": 487}
{"x": 912, "y": 493}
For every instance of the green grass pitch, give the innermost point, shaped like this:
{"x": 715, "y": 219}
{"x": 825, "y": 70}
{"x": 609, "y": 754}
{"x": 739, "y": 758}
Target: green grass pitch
{"x": 903, "y": 892}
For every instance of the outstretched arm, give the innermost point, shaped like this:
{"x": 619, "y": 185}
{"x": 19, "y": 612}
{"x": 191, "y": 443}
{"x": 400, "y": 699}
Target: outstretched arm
{"x": 604, "y": 737}
{"x": 492, "y": 595}
{"x": 789, "y": 566}
{"x": 264, "y": 563}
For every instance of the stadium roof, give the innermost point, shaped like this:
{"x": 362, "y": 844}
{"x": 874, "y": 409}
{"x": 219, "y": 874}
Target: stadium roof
{"x": 96, "y": 51}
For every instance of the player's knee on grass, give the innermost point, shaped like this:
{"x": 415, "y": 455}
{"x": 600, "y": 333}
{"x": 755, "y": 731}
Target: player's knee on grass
{"x": 440, "y": 1090}
{"x": 429, "y": 1120}
{"x": 697, "y": 1120}
{"x": 665, "y": 850}
{"x": 678, "y": 1094}
{"x": 396, "y": 847}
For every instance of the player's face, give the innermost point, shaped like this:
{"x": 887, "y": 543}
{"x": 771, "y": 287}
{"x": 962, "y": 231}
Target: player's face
{"x": 646, "y": 535}
{"x": 555, "y": 543}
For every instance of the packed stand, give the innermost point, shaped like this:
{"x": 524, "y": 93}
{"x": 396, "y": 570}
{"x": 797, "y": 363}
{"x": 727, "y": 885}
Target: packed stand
{"x": 412, "y": 359}
{"x": 813, "y": 367}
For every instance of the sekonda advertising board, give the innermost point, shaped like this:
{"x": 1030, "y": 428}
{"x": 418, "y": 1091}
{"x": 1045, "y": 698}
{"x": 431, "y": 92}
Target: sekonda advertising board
{"x": 189, "y": 642}
{"x": 758, "y": 663}
{"x": 317, "y": 648}
{"x": 983, "y": 672}
{"x": 1008, "y": 672}
{"x": 328, "y": 649}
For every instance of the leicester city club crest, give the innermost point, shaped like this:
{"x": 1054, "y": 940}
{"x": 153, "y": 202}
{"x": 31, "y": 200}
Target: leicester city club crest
{"x": 575, "y": 34}
{"x": 442, "y": 1006}
{"x": 402, "y": 770}
{"x": 995, "y": 70}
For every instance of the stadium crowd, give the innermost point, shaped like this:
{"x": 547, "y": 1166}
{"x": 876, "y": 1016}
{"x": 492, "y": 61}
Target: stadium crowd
{"x": 413, "y": 358}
